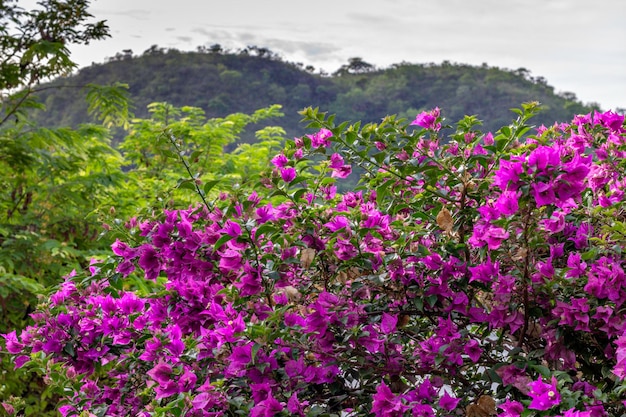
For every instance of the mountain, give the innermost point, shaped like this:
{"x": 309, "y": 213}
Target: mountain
{"x": 223, "y": 82}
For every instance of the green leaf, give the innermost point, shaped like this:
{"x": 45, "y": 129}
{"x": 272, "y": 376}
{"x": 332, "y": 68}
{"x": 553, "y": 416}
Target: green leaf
{"x": 186, "y": 184}
{"x": 383, "y": 190}
{"x": 265, "y": 229}
{"x": 208, "y": 186}
{"x": 221, "y": 241}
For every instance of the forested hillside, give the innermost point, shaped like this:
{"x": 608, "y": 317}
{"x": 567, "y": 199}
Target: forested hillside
{"x": 222, "y": 82}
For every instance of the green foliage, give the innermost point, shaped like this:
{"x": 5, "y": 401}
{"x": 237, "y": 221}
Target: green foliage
{"x": 51, "y": 180}
{"x": 182, "y": 146}
{"x": 33, "y": 46}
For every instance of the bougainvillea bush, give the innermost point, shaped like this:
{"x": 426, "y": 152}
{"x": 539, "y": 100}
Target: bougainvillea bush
{"x": 470, "y": 273}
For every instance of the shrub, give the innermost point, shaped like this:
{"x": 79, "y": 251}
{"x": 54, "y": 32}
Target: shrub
{"x": 471, "y": 274}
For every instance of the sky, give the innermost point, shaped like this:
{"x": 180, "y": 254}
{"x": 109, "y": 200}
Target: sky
{"x": 576, "y": 45}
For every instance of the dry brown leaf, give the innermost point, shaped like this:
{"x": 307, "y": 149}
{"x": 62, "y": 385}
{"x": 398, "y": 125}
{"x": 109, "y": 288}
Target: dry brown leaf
{"x": 292, "y": 293}
{"x": 484, "y": 407}
{"x": 488, "y": 404}
{"x": 444, "y": 220}
{"x": 306, "y": 257}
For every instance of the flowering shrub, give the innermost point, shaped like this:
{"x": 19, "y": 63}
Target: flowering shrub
{"x": 476, "y": 274}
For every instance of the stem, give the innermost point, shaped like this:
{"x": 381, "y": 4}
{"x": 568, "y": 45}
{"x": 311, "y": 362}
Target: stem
{"x": 179, "y": 152}
{"x": 525, "y": 281}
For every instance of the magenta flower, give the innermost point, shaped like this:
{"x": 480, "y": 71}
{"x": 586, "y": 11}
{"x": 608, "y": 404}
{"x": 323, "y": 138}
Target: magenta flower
{"x": 122, "y": 249}
{"x": 295, "y": 406}
{"x": 337, "y": 223}
{"x": 321, "y": 138}
{"x": 149, "y": 262}
{"x": 336, "y": 161}
{"x": 267, "y": 408}
{"x": 473, "y": 350}
{"x": 232, "y": 228}
{"x": 280, "y": 161}
{"x": 448, "y": 402}
{"x": 488, "y": 234}
{"x": 486, "y": 272}
{"x": 511, "y": 409}
{"x": 507, "y": 203}
{"x": 507, "y": 177}
{"x": 265, "y": 213}
{"x": 342, "y": 172}
{"x": 12, "y": 343}
{"x": 556, "y": 222}
{"x": 125, "y": 268}
{"x": 544, "y": 396}
{"x": 620, "y": 366}
{"x": 388, "y": 323}
{"x": 161, "y": 373}
{"x": 572, "y": 412}
{"x": 240, "y": 358}
{"x": 230, "y": 260}
{"x": 288, "y": 174}
{"x": 428, "y": 119}
{"x": 386, "y": 404}
{"x": 543, "y": 159}
{"x": 250, "y": 283}
{"x": 613, "y": 121}
{"x": 544, "y": 194}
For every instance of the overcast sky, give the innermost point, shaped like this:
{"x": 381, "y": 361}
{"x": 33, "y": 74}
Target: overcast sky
{"x": 577, "y": 45}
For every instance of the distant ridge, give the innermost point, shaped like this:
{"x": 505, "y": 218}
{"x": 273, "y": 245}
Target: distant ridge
{"x": 222, "y": 82}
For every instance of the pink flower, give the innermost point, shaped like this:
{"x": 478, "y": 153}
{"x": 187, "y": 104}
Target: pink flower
{"x": 161, "y": 373}
{"x": 544, "y": 194}
{"x": 473, "y": 350}
{"x": 342, "y": 172}
{"x": 508, "y": 175}
{"x": 511, "y": 409}
{"x": 149, "y": 261}
{"x": 295, "y": 406}
{"x": 447, "y": 402}
{"x": 267, "y": 408}
{"x": 13, "y": 344}
{"x": 336, "y": 161}
{"x": 230, "y": 260}
{"x": 280, "y": 161}
{"x": 232, "y": 228}
{"x": 507, "y": 203}
{"x": 337, "y": 223}
{"x": 386, "y": 404}
{"x": 488, "y": 234}
{"x": 122, "y": 249}
{"x": 428, "y": 119}
{"x": 544, "y": 396}
{"x": 388, "y": 323}
{"x": 613, "y": 121}
{"x": 321, "y": 138}
{"x": 288, "y": 174}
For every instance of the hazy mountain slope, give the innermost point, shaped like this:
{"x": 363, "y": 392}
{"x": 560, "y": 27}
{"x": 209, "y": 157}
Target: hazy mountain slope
{"x": 223, "y": 83}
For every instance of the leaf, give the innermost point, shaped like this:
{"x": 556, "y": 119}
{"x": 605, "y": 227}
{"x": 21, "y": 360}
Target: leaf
{"x": 220, "y": 242}
{"x": 306, "y": 257}
{"x": 264, "y": 229}
{"x": 383, "y": 190}
{"x": 186, "y": 184}
{"x": 484, "y": 407}
{"x": 444, "y": 220}
{"x": 209, "y": 186}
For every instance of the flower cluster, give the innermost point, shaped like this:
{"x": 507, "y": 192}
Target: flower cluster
{"x": 462, "y": 274}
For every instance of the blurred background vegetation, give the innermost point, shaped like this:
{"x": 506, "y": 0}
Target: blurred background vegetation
{"x": 223, "y": 82}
